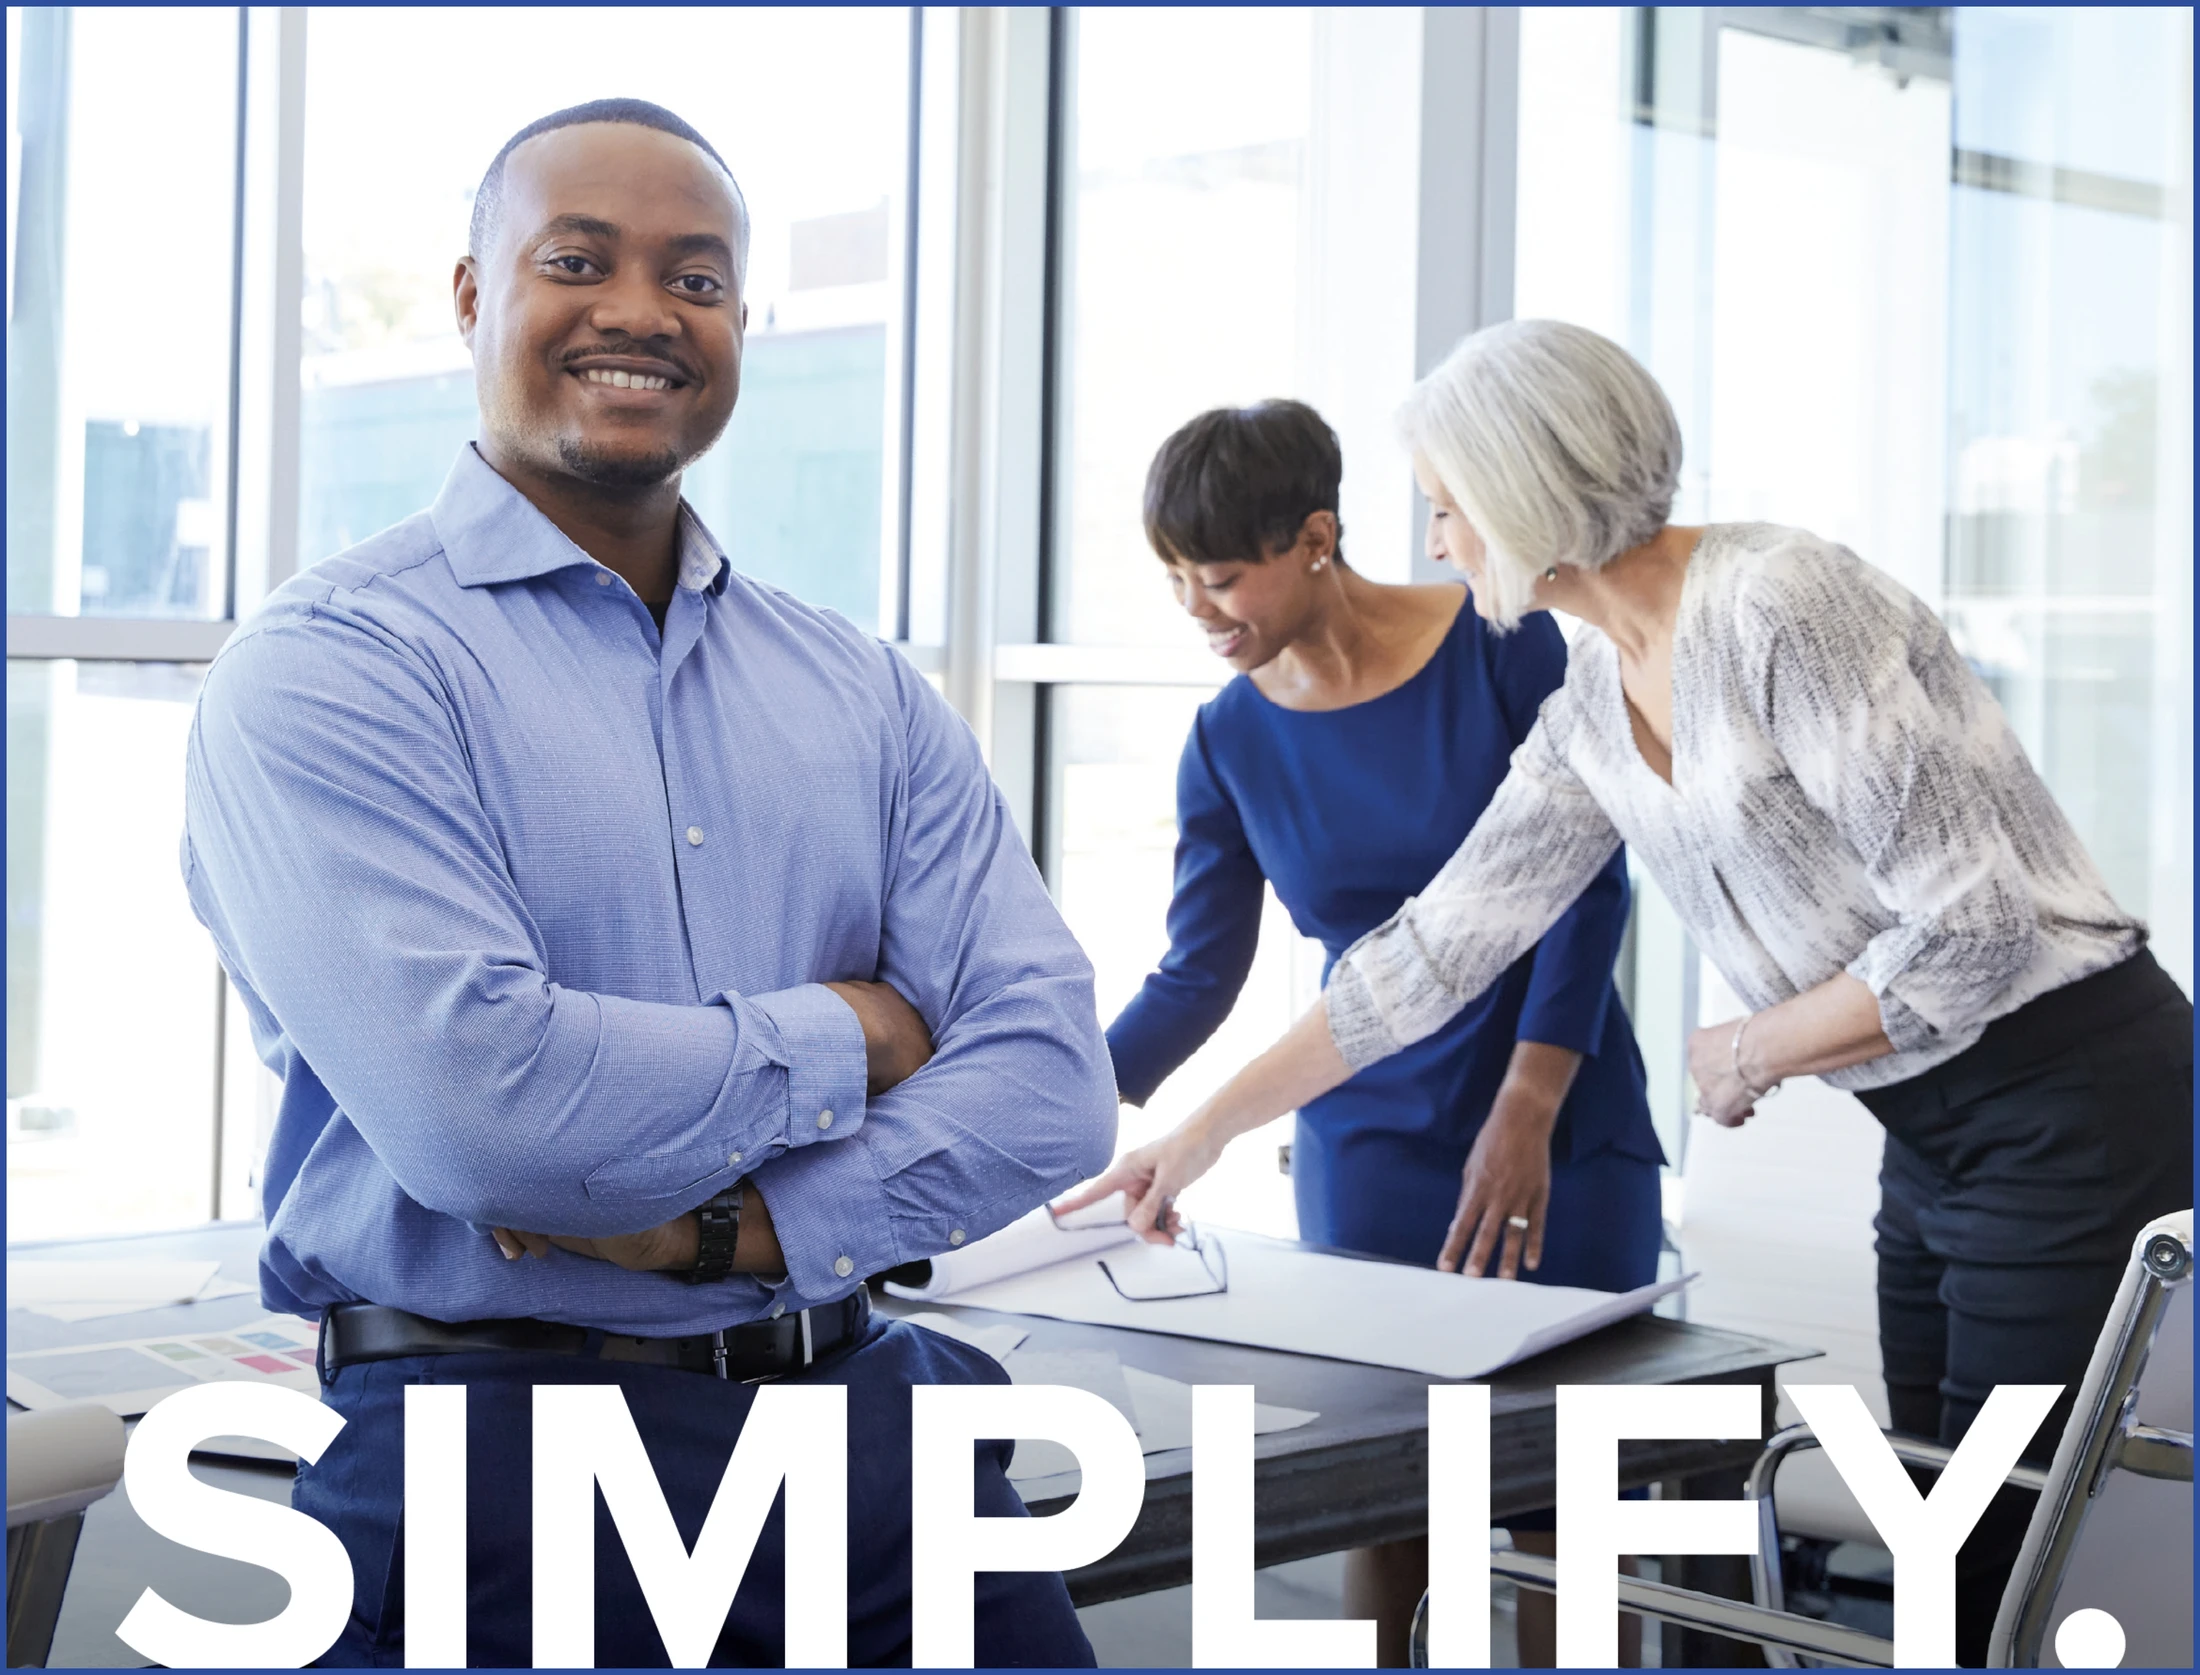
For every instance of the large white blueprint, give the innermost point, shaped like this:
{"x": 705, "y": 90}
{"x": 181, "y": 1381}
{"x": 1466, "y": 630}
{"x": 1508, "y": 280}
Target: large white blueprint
{"x": 1036, "y": 1240}
{"x": 1284, "y": 1297}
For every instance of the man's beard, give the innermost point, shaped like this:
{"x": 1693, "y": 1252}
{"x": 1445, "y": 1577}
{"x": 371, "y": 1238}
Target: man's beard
{"x": 617, "y": 471}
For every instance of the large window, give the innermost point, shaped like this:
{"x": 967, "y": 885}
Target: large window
{"x": 1919, "y": 281}
{"x": 1236, "y": 219}
{"x": 121, "y": 213}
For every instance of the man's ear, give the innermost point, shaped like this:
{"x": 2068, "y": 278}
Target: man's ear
{"x": 466, "y": 297}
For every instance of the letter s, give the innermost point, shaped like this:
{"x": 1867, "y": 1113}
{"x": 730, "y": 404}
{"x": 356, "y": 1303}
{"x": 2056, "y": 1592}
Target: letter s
{"x": 156, "y": 1474}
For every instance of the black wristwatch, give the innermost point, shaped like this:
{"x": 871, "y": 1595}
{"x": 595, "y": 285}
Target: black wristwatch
{"x": 721, "y": 1231}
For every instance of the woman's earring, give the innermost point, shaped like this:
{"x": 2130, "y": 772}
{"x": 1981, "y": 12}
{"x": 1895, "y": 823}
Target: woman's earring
{"x": 1551, "y": 575}
{"x": 1318, "y": 563}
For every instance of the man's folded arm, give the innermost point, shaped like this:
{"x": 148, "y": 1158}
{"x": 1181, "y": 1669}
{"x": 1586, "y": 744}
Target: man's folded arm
{"x": 336, "y": 846}
{"x": 1018, "y": 1101}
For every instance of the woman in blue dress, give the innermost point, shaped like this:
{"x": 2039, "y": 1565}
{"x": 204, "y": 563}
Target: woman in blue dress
{"x": 1366, "y": 730}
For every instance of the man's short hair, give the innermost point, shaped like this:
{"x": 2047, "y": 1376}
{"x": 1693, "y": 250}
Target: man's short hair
{"x": 1239, "y": 483}
{"x": 640, "y": 113}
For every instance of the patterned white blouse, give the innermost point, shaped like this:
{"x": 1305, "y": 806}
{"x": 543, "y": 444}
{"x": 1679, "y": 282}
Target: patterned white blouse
{"x": 1846, "y": 796}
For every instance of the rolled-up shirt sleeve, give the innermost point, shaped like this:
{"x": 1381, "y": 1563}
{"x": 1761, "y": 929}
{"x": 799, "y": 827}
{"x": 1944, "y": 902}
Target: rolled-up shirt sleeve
{"x": 1540, "y": 842}
{"x": 1842, "y": 697}
{"x": 1018, "y": 1101}
{"x": 338, "y": 850}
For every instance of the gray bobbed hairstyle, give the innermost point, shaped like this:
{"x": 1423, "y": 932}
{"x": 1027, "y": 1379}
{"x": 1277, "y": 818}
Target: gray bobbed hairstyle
{"x": 1557, "y": 445}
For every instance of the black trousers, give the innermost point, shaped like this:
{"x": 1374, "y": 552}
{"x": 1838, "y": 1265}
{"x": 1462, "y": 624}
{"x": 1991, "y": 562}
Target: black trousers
{"x": 2016, "y": 1176}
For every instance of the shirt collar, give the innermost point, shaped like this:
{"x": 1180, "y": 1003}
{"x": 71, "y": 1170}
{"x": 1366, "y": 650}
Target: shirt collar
{"x": 493, "y": 533}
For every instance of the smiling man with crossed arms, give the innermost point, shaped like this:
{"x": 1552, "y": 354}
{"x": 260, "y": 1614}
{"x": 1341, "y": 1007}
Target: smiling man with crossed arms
{"x": 645, "y": 955}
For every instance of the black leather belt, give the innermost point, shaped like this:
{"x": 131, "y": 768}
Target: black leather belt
{"x": 352, "y": 1333}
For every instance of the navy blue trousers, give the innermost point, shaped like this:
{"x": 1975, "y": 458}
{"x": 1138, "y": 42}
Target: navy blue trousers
{"x": 688, "y": 1423}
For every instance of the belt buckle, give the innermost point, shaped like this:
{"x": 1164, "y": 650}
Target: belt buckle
{"x": 809, "y": 1349}
{"x": 718, "y": 1352}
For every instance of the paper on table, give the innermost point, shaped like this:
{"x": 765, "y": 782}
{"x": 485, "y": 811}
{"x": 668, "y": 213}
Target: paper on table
{"x": 1039, "y": 1240}
{"x": 145, "y": 1283}
{"x": 1304, "y": 1302}
{"x": 996, "y": 1341}
{"x": 1164, "y": 1419}
{"x": 130, "y": 1375}
{"x": 73, "y": 1312}
{"x": 1165, "y": 1412}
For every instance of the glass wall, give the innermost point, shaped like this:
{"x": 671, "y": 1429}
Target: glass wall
{"x": 122, "y": 200}
{"x": 114, "y": 998}
{"x": 1236, "y": 220}
{"x": 1186, "y": 197}
{"x": 808, "y": 106}
{"x": 1919, "y": 280}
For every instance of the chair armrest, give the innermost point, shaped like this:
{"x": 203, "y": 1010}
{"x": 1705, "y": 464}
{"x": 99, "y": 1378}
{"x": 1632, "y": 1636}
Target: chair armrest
{"x": 60, "y": 1460}
{"x": 1767, "y": 1585}
{"x": 1780, "y": 1633}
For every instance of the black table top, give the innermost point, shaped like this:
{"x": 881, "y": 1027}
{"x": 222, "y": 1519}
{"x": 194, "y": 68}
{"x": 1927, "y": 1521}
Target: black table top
{"x": 1358, "y": 1473}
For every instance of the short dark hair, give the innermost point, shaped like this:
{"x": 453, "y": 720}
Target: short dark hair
{"x": 1239, "y": 483}
{"x": 639, "y": 113}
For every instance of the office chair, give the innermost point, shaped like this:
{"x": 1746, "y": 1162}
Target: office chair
{"x": 2112, "y": 1528}
{"x": 60, "y": 1460}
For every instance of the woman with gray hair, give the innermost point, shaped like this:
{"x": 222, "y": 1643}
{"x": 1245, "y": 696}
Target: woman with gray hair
{"x": 1842, "y": 817}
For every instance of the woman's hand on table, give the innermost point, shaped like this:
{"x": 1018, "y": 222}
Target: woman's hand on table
{"x": 1507, "y": 1180}
{"x": 1506, "y": 1185}
{"x": 1150, "y": 1177}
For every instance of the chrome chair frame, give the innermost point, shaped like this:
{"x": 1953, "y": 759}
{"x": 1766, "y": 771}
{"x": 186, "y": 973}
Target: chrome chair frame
{"x": 2103, "y": 1435}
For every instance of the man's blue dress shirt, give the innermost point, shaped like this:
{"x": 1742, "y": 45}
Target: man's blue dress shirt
{"x": 531, "y": 910}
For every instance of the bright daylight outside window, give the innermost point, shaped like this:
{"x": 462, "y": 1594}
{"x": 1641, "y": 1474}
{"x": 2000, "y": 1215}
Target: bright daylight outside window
{"x": 809, "y": 107}
{"x": 122, "y": 140}
{"x": 1982, "y": 387}
{"x": 1182, "y": 267}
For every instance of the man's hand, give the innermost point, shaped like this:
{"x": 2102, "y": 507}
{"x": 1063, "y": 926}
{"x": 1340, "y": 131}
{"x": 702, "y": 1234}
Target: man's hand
{"x": 896, "y": 1043}
{"x": 670, "y": 1246}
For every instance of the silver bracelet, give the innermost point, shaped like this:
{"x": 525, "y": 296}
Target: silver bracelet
{"x": 1735, "y": 1059}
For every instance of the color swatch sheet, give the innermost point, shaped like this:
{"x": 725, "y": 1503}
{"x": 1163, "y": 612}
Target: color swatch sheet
{"x": 132, "y": 1374}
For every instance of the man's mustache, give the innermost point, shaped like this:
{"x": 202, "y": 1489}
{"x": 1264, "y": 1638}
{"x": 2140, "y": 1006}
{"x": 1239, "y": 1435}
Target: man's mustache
{"x": 630, "y": 349}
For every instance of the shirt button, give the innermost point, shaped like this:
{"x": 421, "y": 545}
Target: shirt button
{"x": 956, "y": 1237}
{"x": 843, "y": 1266}
{"x": 733, "y": 1159}
{"x": 603, "y": 578}
{"x": 695, "y": 836}
{"x": 824, "y": 1119}
{"x": 778, "y": 1309}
